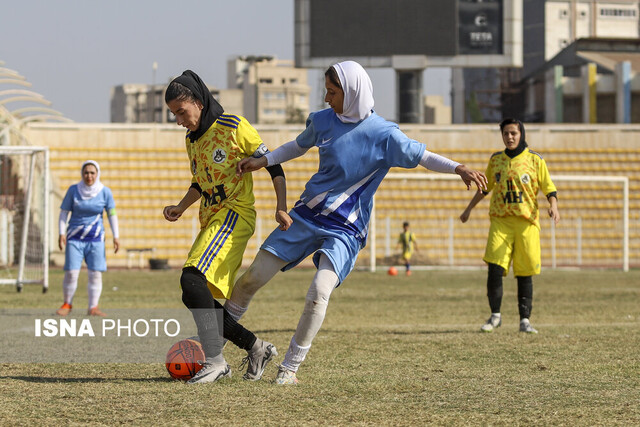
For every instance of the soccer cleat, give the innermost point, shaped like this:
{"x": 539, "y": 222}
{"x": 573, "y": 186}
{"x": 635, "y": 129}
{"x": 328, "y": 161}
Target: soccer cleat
{"x": 494, "y": 322}
{"x": 525, "y": 326}
{"x": 95, "y": 311}
{"x": 285, "y": 377}
{"x": 64, "y": 310}
{"x": 210, "y": 373}
{"x": 408, "y": 272}
{"x": 257, "y": 361}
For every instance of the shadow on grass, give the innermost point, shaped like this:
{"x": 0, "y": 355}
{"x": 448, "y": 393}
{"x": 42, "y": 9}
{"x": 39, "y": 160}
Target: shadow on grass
{"x": 375, "y": 331}
{"x": 45, "y": 380}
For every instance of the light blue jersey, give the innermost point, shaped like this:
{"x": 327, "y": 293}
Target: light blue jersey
{"x": 354, "y": 159}
{"x": 86, "y": 215}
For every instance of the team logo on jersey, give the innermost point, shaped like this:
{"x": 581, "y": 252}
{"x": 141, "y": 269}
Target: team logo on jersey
{"x": 525, "y": 178}
{"x": 498, "y": 177}
{"x": 194, "y": 166}
{"x": 219, "y": 155}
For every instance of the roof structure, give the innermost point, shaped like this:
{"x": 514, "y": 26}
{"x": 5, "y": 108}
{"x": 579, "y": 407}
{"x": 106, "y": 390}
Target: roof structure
{"x": 20, "y": 105}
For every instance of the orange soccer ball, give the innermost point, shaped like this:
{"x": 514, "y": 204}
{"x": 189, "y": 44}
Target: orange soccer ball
{"x": 182, "y": 359}
{"x": 392, "y": 271}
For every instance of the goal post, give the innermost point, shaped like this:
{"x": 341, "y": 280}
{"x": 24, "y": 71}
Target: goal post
{"x": 24, "y": 216}
{"x": 593, "y": 231}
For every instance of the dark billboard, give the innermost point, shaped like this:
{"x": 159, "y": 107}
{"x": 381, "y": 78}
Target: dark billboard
{"x": 381, "y": 28}
{"x": 479, "y": 27}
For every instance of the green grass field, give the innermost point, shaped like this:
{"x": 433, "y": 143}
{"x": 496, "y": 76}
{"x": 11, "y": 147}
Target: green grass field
{"x": 392, "y": 351}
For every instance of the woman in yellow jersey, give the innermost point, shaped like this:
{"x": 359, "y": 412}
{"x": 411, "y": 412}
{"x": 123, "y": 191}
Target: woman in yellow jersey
{"x": 516, "y": 175}
{"x": 215, "y": 143}
{"x": 407, "y": 241}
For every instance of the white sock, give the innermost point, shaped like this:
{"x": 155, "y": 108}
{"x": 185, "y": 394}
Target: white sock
{"x": 95, "y": 287}
{"x": 69, "y": 285}
{"x": 316, "y": 302}
{"x": 217, "y": 360}
{"x": 235, "y": 310}
{"x": 295, "y": 356}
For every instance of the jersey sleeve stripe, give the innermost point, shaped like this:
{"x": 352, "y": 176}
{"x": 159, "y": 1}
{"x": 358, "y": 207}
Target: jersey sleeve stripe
{"x": 231, "y": 117}
{"x": 536, "y": 153}
{"x": 228, "y": 124}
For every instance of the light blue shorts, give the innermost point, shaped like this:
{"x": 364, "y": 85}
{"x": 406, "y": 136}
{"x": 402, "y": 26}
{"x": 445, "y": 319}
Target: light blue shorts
{"x": 91, "y": 252}
{"x": 304, "y": 238}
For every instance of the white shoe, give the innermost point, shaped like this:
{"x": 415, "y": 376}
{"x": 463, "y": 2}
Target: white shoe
{"x": 286, "y": 377}
{"x": 210, "y": 373}
{"x": 525, "y": 326}
{"x": 258, "y": 360}
{"x": 494, "y": 322}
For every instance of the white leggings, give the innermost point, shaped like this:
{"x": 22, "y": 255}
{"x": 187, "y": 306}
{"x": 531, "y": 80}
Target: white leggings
{"x": 70, "y": 284}
{"x": 265, "y": 266}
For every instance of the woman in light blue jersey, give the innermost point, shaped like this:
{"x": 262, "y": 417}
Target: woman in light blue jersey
{"x": 83, "y": 238}
{"x": 357, "y": 148}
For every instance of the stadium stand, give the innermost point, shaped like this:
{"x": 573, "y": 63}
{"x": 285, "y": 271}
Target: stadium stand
{"x": 146, "y": 167}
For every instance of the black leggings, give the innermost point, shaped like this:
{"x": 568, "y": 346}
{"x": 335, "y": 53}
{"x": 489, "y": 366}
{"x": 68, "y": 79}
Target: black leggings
{"x": 207, "y": 313}
{"x": 494, "y": 291}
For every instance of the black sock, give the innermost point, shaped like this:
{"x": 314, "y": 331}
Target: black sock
{"x": 198, "y": 299}
{"x": 236, "y": 333}
{"x": 525, "y": 296}
{"x": 494, "y": 287}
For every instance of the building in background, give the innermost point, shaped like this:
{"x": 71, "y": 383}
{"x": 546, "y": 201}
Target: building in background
{"x": 590, "y": 81}
{"x": 143, "y": 103}
{"x": 435, "y": 110}
{"x": 263, "y": 89}
{"x": 274, "y": 91}
{"x": 549, "y": 27}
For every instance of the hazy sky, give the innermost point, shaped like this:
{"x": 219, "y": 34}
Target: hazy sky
{"x": 74, "y": 51}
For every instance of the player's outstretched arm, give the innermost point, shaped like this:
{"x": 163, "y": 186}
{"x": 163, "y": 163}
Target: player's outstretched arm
{"x": 464, "y": 217}
{"x": 282, "y": 217}
{"x": 470, "y": 176}
{"x": 250, "y": 164}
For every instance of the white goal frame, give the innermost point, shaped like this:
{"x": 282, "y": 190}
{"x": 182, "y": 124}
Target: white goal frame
{"x": 19, "y": 280}
{"x": 556, "y": 178}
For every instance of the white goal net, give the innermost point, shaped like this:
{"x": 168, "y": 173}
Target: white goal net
{"x": 594, "y": 230}
{"x": 24, "y": 219}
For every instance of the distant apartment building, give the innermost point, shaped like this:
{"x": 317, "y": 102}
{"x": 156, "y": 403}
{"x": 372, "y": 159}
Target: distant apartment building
{"x": 143, "y": 103}
{"x": 273, "y": 90}
{"x": 552, "y": 25}
{"x": 549, "y": 26}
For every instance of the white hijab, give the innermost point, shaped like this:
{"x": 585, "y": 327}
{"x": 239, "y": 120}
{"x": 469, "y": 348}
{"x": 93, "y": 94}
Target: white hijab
{"x": 90, "y": 191}
{"x": 358, "y": 92}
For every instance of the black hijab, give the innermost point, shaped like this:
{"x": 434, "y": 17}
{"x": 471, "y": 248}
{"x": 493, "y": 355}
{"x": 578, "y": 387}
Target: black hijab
{"x": 522, "y": 144}
{"x": 211, "y": 108}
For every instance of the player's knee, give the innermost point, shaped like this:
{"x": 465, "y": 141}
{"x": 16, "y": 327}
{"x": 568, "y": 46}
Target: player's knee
{"x": 315, "y": 306}
{"x": 495, "y": 269}
{"x": 193, "y": 284}
{"x": 250, "y": 281}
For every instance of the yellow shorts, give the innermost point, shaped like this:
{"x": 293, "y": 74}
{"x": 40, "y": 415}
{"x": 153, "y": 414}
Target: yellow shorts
{"x": 407, "y": 255}
{"x": 217, "y": 251}
{"x": 514, "y": 238}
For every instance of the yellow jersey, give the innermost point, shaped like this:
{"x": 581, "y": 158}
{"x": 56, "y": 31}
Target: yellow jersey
{"x": 407, "y": 239}
{"x": 213, "y": 158}
{"x": 516, "y": 182}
